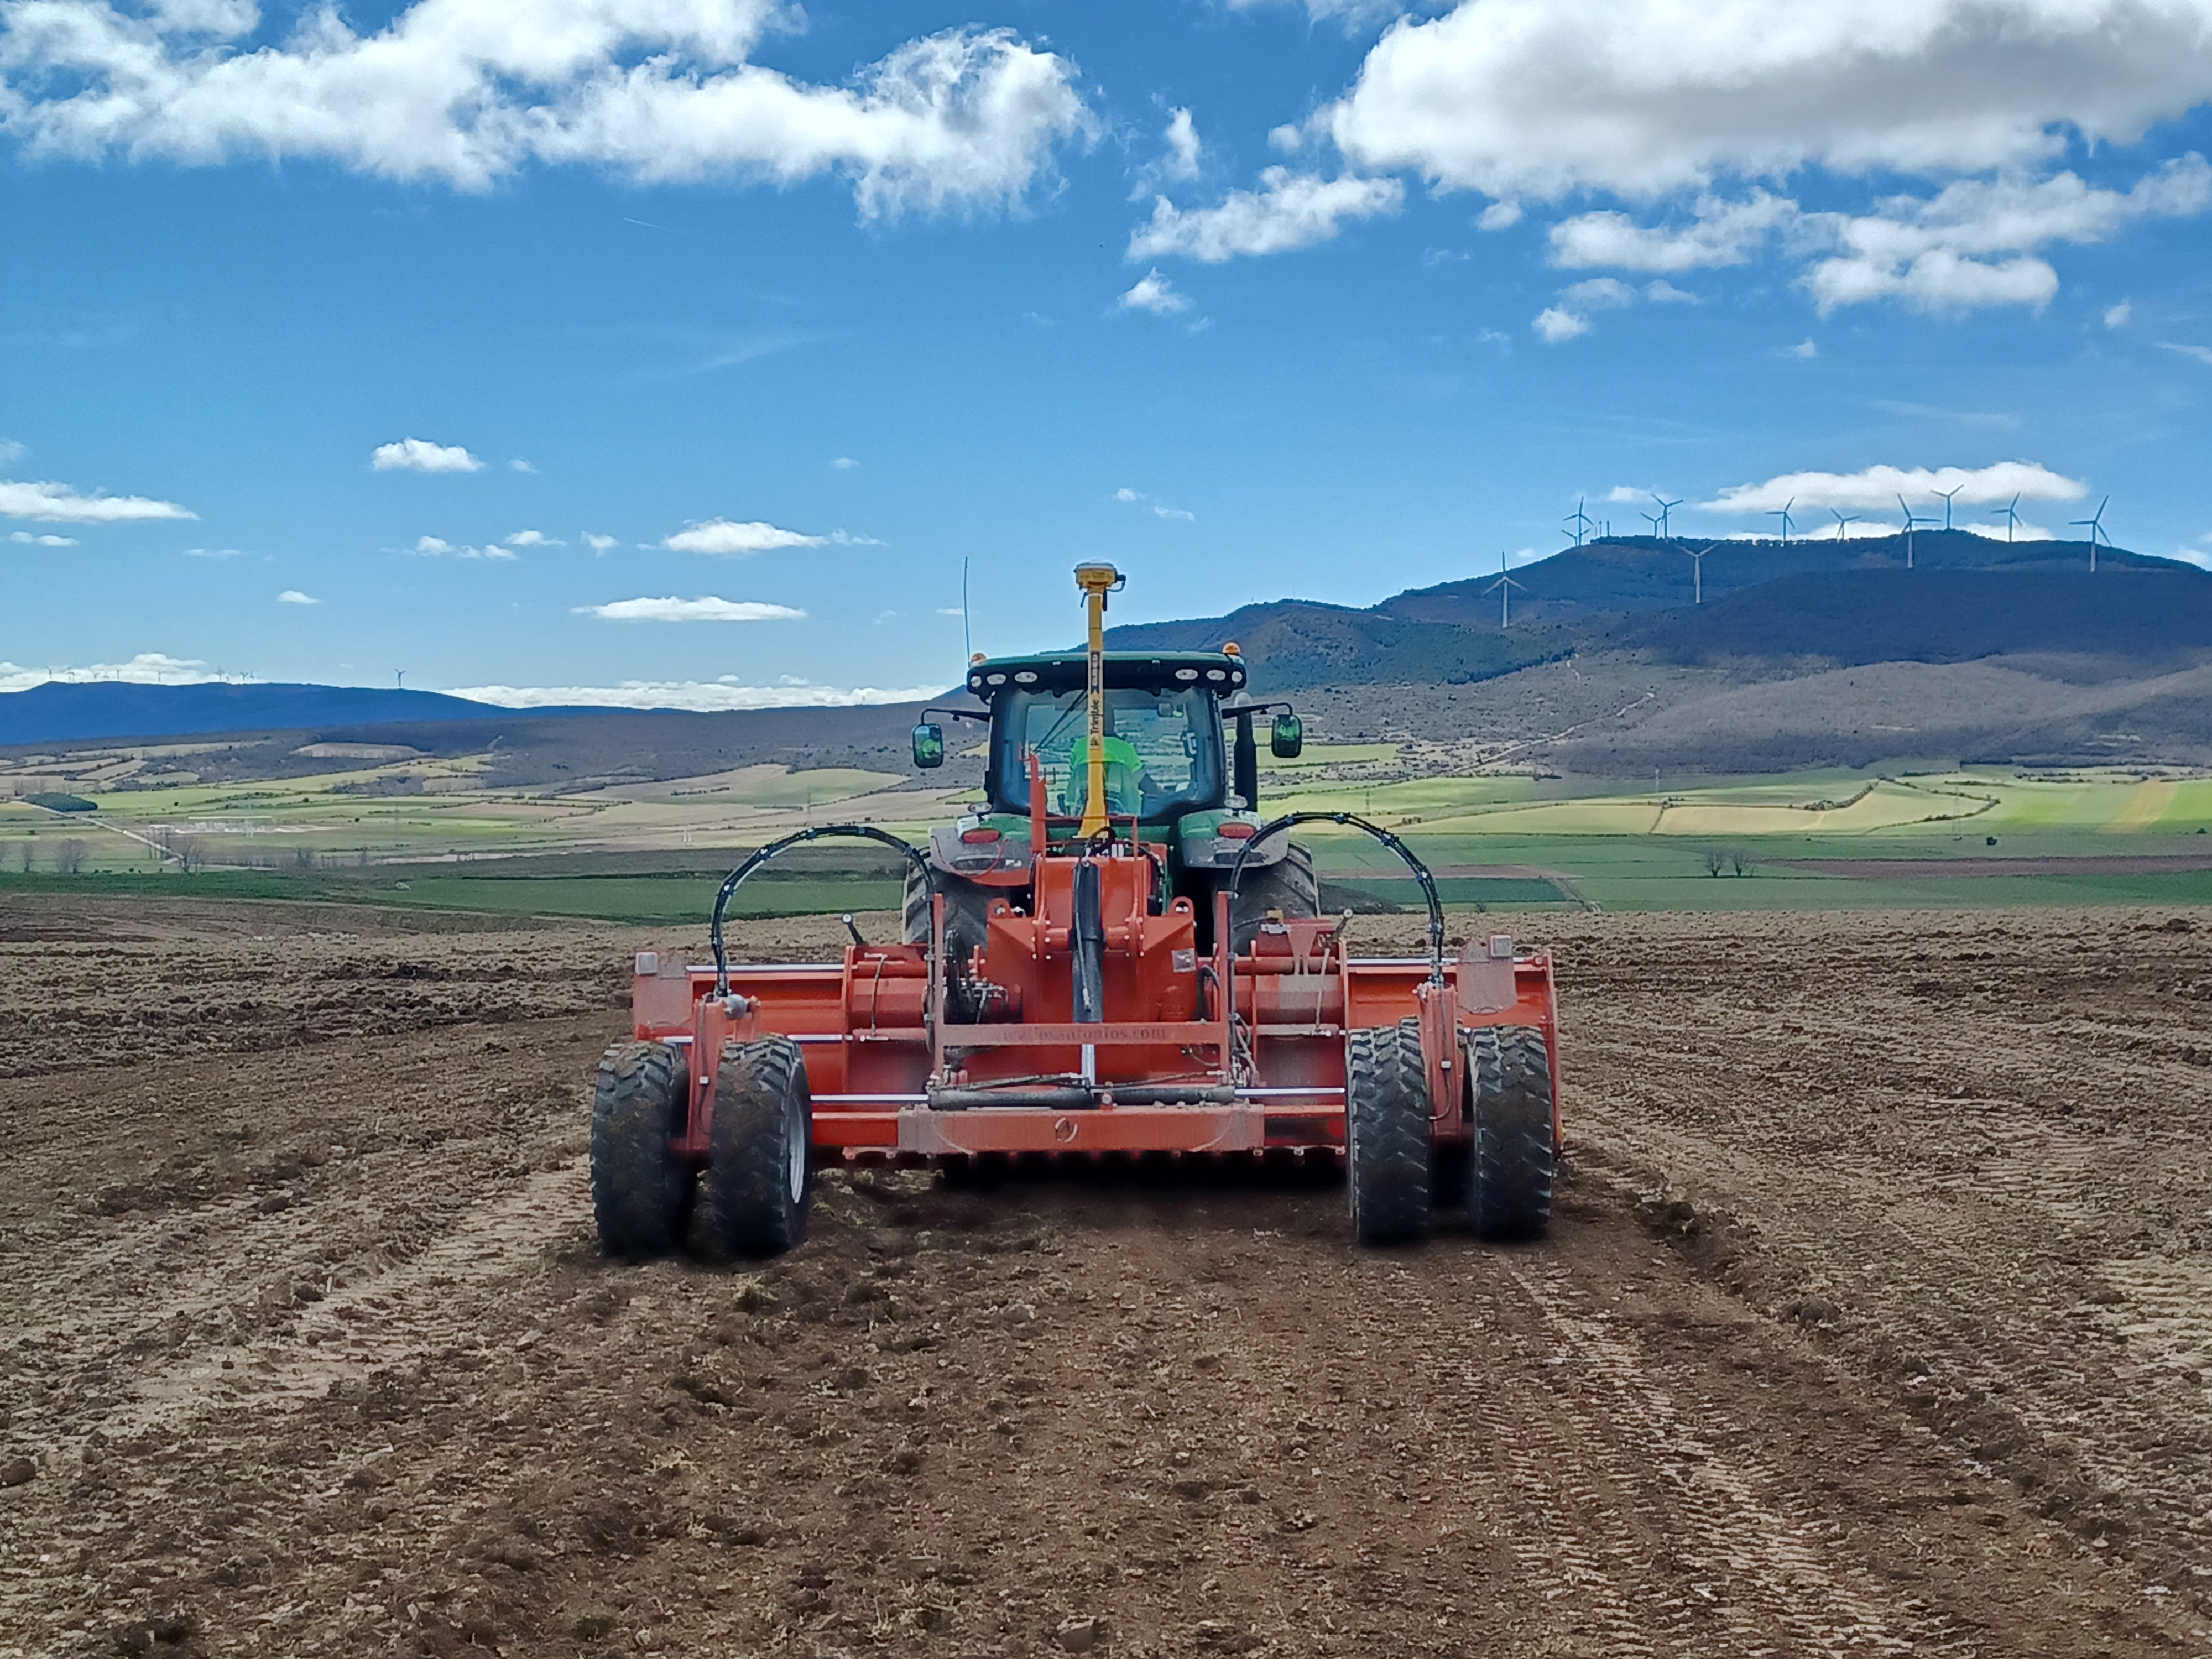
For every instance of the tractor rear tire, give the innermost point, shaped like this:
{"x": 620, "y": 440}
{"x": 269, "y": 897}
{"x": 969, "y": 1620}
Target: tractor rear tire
{"x": 1509, "y": 1191}
{"x": 1386, "y": 1135}
{"x": 641, "y": 1189}
{"x": 967, "y": 914}
{"x": 1289, "y": 886}
{"x": 760, "y": 1180}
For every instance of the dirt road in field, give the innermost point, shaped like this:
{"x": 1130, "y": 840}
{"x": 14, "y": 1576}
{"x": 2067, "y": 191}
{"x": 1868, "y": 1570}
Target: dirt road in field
{"x": 1877, "y": 1319}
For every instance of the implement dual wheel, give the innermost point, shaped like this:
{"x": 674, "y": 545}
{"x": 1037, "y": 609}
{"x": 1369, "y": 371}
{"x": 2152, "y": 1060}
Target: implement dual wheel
{"x": 1386, "y": 1134}
{"x": 759, "y": 1179}
{"x": 641, "y": 1189}
{"x": 1514, "y": 1160}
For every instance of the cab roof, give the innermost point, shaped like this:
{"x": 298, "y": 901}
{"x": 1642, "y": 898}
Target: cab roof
{"x": 1060, "y": 671}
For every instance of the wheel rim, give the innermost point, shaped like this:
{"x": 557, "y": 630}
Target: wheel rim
{"x": 795, "y": 1138}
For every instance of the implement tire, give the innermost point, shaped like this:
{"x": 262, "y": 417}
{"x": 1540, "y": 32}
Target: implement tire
{"x": 1289, "y": 885}
{"x": 1509, "y": 1192}
{"x": 760, "y": 1180}
{"x": 641, "y": 1189}
{"x": 1386, "y": 1136}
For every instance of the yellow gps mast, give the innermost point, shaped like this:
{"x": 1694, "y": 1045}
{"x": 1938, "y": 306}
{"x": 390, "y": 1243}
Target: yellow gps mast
{"x": 1096, "y": 582}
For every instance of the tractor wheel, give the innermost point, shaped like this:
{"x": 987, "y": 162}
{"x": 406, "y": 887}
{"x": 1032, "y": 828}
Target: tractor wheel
{"x": 1509, "y": 1190}
{"x": 1289, "y": 886}
{"x": 1386, "y": 1139}
{"x": 967, "y": 914}
{"x": 761, "y": 1179}
{"x": 641, "y": 1189}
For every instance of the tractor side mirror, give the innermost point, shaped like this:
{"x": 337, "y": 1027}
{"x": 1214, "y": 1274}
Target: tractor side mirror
{"x": 928, "y": 746}
{"x": 1287, "y": 737}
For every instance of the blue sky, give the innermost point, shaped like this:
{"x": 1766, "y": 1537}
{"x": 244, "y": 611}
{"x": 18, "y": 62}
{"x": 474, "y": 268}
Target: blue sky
{"x": 680, "y": 351}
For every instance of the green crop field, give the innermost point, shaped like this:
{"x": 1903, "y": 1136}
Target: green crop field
{"x": 430, "y": 833}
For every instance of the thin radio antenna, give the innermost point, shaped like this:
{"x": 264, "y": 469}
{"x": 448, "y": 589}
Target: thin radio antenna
{"x": 967, "y": 627}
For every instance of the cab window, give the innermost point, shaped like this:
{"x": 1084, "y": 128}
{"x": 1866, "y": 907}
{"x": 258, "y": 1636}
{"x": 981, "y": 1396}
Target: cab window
{"x": 1163, "y": 751}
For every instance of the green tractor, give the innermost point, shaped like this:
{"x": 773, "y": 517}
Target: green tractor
{"x": 1180, "y": 764}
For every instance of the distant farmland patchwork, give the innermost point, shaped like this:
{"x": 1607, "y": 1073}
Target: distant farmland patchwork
{"x": 431, "y": 833}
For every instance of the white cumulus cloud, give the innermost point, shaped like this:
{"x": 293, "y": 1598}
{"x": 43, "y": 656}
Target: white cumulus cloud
{"x": 1350, "y": 14}
{"x": 1721, "y": 233}
{"x": 532, "y": 538}
{"x": 1158, "y": 508}
{"x": 2116, "y": 316}
{"x": 417, "y": 455}
{"x": 58, "y": 503}
{"x": 1542, "y": 98}
{"x": 294, "y": 595}
{"x": 597, "y": 543}
{"x": 1974, "y": 243}
{"x": 436, "y": 547}
{"x": 1555, "y": 324}
{"x": 2201, "y": 354}
{"x": 469, "y": 93}
{"x": 1879, "y": 486}
{"x": 1182, "y": 139}
{"x": 1156, "y": 294}
{"x": 1571, "y": 316}
{"x": 28, "y": 539}
{"x": 1289, "y": 211}
{"x": 147, "y": 668}
{"x": 726, "y": 535}
{"x": 1650, "y": 99}
{"x": 673, "y": 610}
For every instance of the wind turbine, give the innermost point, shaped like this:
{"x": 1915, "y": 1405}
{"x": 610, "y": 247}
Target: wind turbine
{"x": 400, "y": 675}
{"x": 1666, "y": 511}
{"x": 2012, "y": 518}
{"x": 1503, "y": 587}
{"x": 2095, "y": 522}
{"x": 1911, "y": 518}
{"x": 1698, "y": 572}
{"x": 1947, "y": 495}
{"x": 1581, "y": 520}
{"x": 1841, "y": 520}
{"x": 1782, "y": 513}
{"x": 1654, "y": 519}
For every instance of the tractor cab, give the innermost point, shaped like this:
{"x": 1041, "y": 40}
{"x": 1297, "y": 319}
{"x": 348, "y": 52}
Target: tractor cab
{"x": 1169, "y": 742}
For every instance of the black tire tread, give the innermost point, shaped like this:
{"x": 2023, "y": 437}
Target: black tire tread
{"x": 1289, "y": 885}
{"x": 966, "y": 913}
{"x": 1509, "y": 1178}
{"x": 641, "y": 1189}
{"x": 1386, "y": 1135}
{"x": 750, "y": 1212}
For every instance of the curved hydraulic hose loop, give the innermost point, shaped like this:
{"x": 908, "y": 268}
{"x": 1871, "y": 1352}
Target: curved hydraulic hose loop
{"x": 1420, "y": 871}
{"x": 859, "y": 831}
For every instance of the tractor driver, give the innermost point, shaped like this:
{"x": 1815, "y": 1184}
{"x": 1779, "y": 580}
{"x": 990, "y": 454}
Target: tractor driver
{"x": 1127, "y": 782}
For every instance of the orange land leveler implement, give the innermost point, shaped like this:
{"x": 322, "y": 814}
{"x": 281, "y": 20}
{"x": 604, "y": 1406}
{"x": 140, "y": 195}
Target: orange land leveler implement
{"x": 1117, "y": 955}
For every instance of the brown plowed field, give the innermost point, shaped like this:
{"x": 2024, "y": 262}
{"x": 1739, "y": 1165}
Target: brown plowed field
{"x": 1875, "y": 1321}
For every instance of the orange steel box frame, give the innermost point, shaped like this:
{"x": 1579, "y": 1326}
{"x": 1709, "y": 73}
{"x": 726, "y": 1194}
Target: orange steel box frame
{"x": 873, "y": 1033}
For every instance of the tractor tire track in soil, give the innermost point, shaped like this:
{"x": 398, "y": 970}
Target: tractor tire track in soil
{"x": 1873, "y": 1321}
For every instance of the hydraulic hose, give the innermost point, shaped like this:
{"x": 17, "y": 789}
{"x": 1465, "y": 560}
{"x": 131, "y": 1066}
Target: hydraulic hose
{"x": 1087, "y": 946}
{"x": 1412, "y": 862}
{"x": 853, "y": 831}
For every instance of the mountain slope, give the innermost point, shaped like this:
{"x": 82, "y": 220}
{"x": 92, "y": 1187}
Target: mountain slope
{"x": 2150, "y": 616}
{"x": 1293, "y": 643}
{"x": 57, "y": 713}
{"x": 1642, "y": 573}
